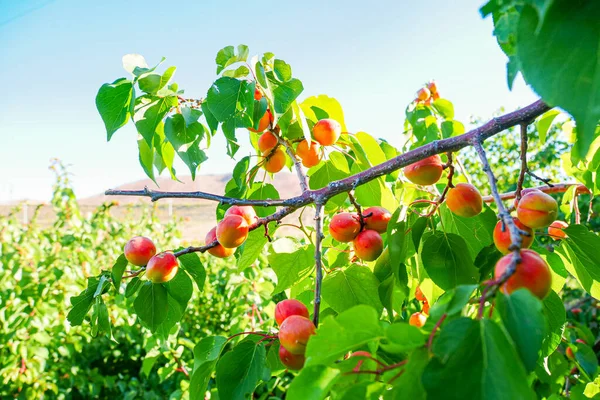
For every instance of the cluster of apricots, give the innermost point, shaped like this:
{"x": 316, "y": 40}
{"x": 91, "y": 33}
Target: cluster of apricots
{"x": 160, "y": 268}
{"x": 419, "y": 318}
{"x": 428, "y": 93}
{"x": 366, "y": 236}
{"x": 232, "y": 231}
{"x": 294, "y": 331}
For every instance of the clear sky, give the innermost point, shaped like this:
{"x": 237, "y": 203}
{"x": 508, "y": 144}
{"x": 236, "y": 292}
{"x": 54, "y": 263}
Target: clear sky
{"x": 371, "y": 56}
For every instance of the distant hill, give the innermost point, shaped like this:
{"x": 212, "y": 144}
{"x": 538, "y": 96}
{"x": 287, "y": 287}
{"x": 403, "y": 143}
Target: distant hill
{"x": 285, "y": 183}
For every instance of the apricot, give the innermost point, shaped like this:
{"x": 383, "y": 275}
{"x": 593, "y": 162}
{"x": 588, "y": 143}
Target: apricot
{"x": 555, "y": 230}
{"x": 502, "y": 239}
{"x": 275, "y": 162}
{"x": 232, "y": 231}
{"x": 570, "y": 353}
{"x": 310, "y": 155}
{"x": 379, "y": 219}
{"x": 344, "y": 227}
{"x": 524, "y": 192}
{"x": 425, "y": 172}
{"x": 327, "y": 131}
{"x": 418, "y": 319}
{"x": 432, "y": 87}
{"x": 289, "y": 307}
{"x": 425, "y": 309}
{"x": 464, "y": 200}
{"x": 139, "y": 250}
{"x": 295, "y": 332}
{"x": 423, "y": 94}
{"x": 292, "y": 361}
{"x": 368, "y": 245}
{"x": 419, "y": 294}
{"x": 537, "y": 209}
{"x": 162, "y": 268}
{"x": 257, "y": 94}
{"x": 531, "y": 273}
{"x": 247, "y": 212}
{"x": 218, "y": 250}
{"x": 264, "y": 122}
{"x": 267, "y": 141}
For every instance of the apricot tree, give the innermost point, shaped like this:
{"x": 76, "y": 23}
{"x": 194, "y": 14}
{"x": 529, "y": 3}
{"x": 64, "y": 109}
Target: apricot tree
{"x": 441, "y": 290}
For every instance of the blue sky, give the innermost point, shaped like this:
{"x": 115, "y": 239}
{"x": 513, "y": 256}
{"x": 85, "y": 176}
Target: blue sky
{"x": 371, "y": 56}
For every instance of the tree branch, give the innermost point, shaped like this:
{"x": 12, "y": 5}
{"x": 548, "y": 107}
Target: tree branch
{"x": 297, "y": 164}
{"x": 318, "y": 261}
{"x": 524, "y": 168}
{"x": 556, "y": 188}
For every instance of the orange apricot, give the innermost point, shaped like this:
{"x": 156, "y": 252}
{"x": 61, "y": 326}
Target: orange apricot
{"x": 162, "y": 268}
{"x": 425, "y": 308}
{"x": 244, "y": 211}
{"x": 294, "y": 333}
{"x": 310, "y": 155}
{"x": 289, "y": 307}
{"x": 368, "y": 245}
{"x": 344, "y": 227}
{"x": 139, "y": 250}
{"x": 464, "y": 200}
{"x": 274, "y": 162}
{"x": 257, "y": 93}
{"x": 378, "y": 219}
{"x": 418, "y": 319}
{"x": 536, "y": 209}
{"x": 432, "y": 87}
{"x": 327, "y": 131}
{"x": 292, "y": 361}
{"x": 423, "y": 94}
{"x": 264, "y": 122}
{"x": 232, "y": 231}
{"x": 555, "y": 230}
{"x": 419, "y": 294}
{"x": 267, "y": 141}
{"x": 218, "y": 250}
{"x": 531, "y": 273}
{"x": 502, "y": 238}
{"x": 425, "y": 172}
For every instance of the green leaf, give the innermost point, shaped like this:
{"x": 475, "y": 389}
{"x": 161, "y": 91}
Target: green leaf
{"x": 452, "y": 128}
{"x": 150, "y": 113}
{"x": 239, "y": 370}
{"x": 151, "y": 305}
{"x": 284, "y": 94}
{"x": 586, "y": 359}
{"x": 564, "y": 74}
{"x": 409, "y": 385}
{"x": 544, "y": 123}
{"x": 313, "y": 382}
{"x": 476, "y": 231}
{"x": 113, "y": 102}
{"x": 401, "y": 338}
{"x": 291, "y": 262}
{"x": 488, "y": 364}
{"x": 185, "y": 138}
{"x": 227, "y": 56}
{"x": 152, "y": 83}
{"x": 522, "y": 316}
{"x": 239, "y": 72}
{"x": 252, "y": 248}
{"x": 554, "y": 311}
{"x": 180, "y": 288}
{"x": 263, "y": 191}
{"x": 335, "y": 337}
{"x": 445, "y": 108}
{"x": 346, "y": 288}
{"x": 446, "y": 259}
{"x": 583, "y": 249}
{"x": 206, "y": 355}
{"x": 334, "y": 169}
{"x": 133, "y": 286}
{"x": 191, "y": 264}
{"x": 99, "y": 322}
{"x": 117, "y": 271}
{"x": 229, "y": 97}
{"x": 282, "y": 70}
{"x": 146, "y": 158}
{"x": 81, "y": 304}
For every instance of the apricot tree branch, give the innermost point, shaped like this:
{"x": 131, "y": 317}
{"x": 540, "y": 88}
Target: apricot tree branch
{"x": 556, "y": 188}
{"x": 318, "y": 261}
{"x": 297, "y": 164}
{"x": 524, "y": 168}
{"x": 358, "y": 208}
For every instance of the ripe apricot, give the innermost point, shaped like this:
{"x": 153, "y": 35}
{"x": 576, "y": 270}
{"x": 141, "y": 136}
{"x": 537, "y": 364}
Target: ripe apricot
{"x": 379, "y": 219}
{"x": 310, "y": 155}
{"x": 419, "y": 294}
{"x": 368, "y": 245}
{"x": 139, "y": 250}
{"x": 425, "y": 172}
{"x": 232, "y": 231}
{"x": 418, "y": 319}
{"x": 537, "y": 209}
{"x": 275, "y": 162}
{"x": 423, "y": 94}
{"x": 570, "y": 353}
{"x": 524, "y": 192}
{"x": 218, "y": 250}
{"x": 295, "y": 332}
{"x": 257, "y": 93}
{"x": 292, "y": 361}
{"x": 267, "y": 141}
{"x": 502, "y": 239}
{"x": 247, "y": 212}
{"x": 432, "y": 87}
{"x": 289, "y": 307}
{"x": 531, "y": 273}
{"x": 264, "y": 122}
{"x": 464, "y": 200}
{"x": 327, "y": 131}
{"x": 344, "y": 227}
{"x": 555, "y": 230}
{"x": 425, "y": 309}
{"x": 162, "y": 267}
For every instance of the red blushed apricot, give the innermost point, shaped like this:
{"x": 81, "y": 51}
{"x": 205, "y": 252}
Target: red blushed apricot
{"x": 379, "y": 219}
{"x": 310, "y": 155}
{"x": 232, "y": 231}
{"x": 423, "y": 94}
{"x": 570, "y": 354}
{"x": 289, "y": 307}
{"x": 502, "y": 238}
{"x": 162, "y": 268}
{"x": 425, "y": 172}
{"x": 257, "y": 94}
{"x": 425, "y": 309}
{"x": 267, "y": 141}
{"x": 218, "y": 250}
{"x": 432, "y": 87}
{"x": 264, "y": 122}
{"x": 555, "y": 230}
{"x": 532, "y": 273}
{"x": 295, "y": 332}
{"x": 344, "y": 227}
{"x": 274, "y": 162}
{"x": 524, "y": 192}
{"x": 418, "y": 319}
{"x": 464, "y": 200}
{"x": 368, "y": 245}
{"x": 139, "y": 250}
{"x": 247, "y": 212}
{"x": 327, "y": 131}
{"x": 537, "y": 209}
{"x": 292, "y": 361}
{"x": 419, "y": 294}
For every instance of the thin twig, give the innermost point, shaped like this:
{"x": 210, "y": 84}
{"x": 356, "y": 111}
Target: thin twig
{"x": 539, "y": 178}
{"x": 576, "y": 209}
{"x": 556, "y": 188}
{"x": 318, "y": 261}
{"x": 435, "y": 328}
{"x": 524, "y": 168}
{"x": 297, "y": 164}
{"x": 361, "y": 217}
